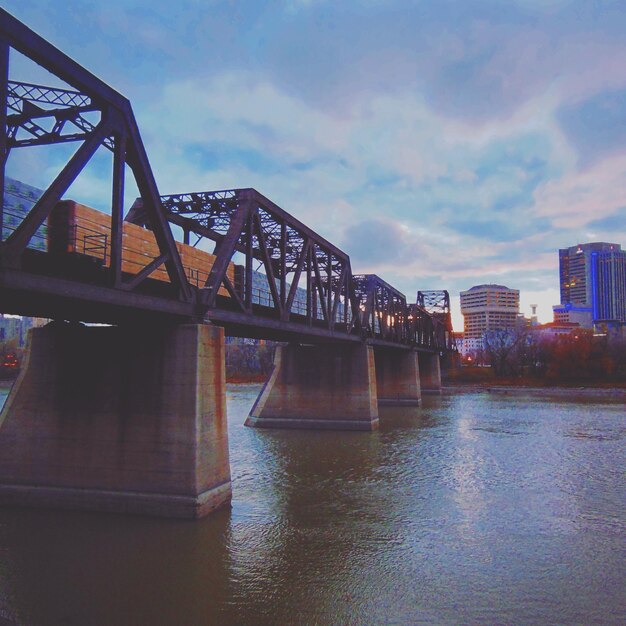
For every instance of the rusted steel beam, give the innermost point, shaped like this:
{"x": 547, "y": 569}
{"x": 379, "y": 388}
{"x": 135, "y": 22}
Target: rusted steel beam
{"x": 138, "y": 161}
{"x": 279, "y": 244}
{"x": 145, "y": 272}
{"x": 28, "y": 108}
{"x": 232, "y": 292}
{"x": 40, "y": 295}
{"x": 304, "y": 254}
{"x": 437, "y": 304}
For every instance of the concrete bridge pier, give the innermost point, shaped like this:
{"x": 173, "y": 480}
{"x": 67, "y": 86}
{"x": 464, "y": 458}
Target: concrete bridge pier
{"x": 118, "y": 419}
{"x": 397, "y": 377}
{"x": 430, "y": 372}
{"x": 327, "y": 386}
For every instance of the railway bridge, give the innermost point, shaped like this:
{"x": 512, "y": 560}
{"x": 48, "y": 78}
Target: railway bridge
{"x": 120, "y": 404}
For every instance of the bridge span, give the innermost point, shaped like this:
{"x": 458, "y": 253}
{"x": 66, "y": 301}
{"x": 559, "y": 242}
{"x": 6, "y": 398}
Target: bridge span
{"x": 130, "y": 416}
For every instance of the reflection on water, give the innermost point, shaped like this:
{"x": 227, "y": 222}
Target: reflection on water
{"x": 472, "y": 508}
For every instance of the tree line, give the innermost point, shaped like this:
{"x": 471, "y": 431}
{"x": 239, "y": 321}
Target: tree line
{"x": 578, "y": 356}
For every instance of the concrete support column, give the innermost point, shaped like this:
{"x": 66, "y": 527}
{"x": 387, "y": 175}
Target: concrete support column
{"x": 430, "y": 372}
{"x": 118, "y": 419}
{"x": 322, "y": 386}
{"x": 397, "y": 377}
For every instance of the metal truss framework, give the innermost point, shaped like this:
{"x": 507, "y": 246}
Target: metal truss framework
{"x": 426, "y": 330}
{"x": 386, "y": 316}
{"x": 245, "y": 221}
{"x": 383, "y": 309}
{"x": 290, "y": 253}
{"x": 437, "y": 304}
{"x": 338, "y": 305}
{"x": 94, "y": 114}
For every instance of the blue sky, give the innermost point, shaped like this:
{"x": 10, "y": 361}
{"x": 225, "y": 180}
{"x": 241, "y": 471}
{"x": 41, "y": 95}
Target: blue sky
{"x": 440, "y": 143}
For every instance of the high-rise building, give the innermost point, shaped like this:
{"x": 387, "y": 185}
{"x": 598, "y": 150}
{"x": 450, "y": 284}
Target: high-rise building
{"x": 592, "y": 283}
{"x": 608, "y": 286}
{"x": 487, "y": 307}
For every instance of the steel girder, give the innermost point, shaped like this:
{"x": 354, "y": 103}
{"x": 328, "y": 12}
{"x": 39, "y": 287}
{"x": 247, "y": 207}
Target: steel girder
{"x": 424, "y": 330}
{"x": 386, "y": 316}
{"x": 94, "y": 114}
{"x": 42, "y": 115}
{"x": 245, "y": 221}
{"x": 434, "y": 301}
{"x": 382, "y": 308}
{"x": 437, "y": 304}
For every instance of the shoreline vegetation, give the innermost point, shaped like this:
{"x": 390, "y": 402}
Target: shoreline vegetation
{"x": 484, "y": 379}
{"x": 535, "y": 388}
{"x": 519, "y": 357}
{"x": 454, "y": 377}
{"x": 450, "y": 386}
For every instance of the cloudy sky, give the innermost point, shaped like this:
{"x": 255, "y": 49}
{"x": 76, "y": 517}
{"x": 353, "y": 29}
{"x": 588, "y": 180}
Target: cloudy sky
{"x": 440, "y": 143}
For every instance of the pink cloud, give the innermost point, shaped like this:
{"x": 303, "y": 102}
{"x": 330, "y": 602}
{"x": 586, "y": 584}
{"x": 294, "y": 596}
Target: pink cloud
{"x": 578, "y": 198}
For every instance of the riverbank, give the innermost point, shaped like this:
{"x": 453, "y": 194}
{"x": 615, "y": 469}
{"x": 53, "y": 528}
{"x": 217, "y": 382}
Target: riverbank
{"x": 538, "y": 390}
{"x": 477, "y": 379}
{"x": 245, "y": 379}
{"x": 452, "y": 387}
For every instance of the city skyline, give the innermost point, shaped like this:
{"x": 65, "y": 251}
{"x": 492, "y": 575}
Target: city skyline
{"x": 441, "y": 145}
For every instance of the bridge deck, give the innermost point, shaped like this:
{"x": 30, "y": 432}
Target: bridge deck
{"x": 39, "y": 294}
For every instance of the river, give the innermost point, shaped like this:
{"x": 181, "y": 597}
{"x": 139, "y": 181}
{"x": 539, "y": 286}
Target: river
{"x": 477, "y": 508}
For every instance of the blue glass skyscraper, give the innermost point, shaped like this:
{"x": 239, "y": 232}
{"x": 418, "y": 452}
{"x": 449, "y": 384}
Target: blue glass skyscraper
{"x": 592, "y": 284}
{"x": 608, "y": 286}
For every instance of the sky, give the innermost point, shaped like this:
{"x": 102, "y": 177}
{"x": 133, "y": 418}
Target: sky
{"x": 440, "y": 143}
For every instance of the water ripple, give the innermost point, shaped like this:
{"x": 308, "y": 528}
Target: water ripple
{"x": 476, "y": 508}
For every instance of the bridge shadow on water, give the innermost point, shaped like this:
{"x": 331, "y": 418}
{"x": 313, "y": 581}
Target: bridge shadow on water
{"x": 307, "y": 507}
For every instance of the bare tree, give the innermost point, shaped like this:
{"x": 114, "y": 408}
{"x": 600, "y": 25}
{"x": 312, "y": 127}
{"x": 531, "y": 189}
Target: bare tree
{"x": 504, "y": 348}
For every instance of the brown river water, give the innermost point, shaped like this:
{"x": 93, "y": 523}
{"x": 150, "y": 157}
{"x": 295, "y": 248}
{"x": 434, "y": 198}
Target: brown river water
{"x": 476, "y": 508}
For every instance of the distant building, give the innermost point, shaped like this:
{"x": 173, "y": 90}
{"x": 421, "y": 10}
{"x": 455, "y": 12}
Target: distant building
{"x": 570, "y": 314}
{"x": 459, "y": 341}
{"x": 555, "y": 329}
{"x": 592, "y": 285}
{"x": 488, "y": 307}
{"x": 11, "y": 329}
{"x": 19, "y": 198}
{"x": 485, "y": 308}
{"x": 14, "y": 328}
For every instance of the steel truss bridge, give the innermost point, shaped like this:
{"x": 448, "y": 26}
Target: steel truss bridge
{"x": 311, "y": 293}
